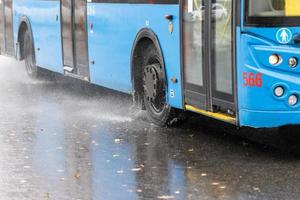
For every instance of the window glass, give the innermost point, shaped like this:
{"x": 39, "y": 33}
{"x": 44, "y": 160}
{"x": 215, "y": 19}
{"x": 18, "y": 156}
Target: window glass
{"x": 222, "y": 36}
{"x": 138, "y": 1}
{"x": 1, "y": 27}
{"x": 193, "y": 18}
{"x": 273, "y": 8}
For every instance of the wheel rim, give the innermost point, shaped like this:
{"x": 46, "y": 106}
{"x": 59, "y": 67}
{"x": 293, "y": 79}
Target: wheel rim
{"x": 154, "y": 86}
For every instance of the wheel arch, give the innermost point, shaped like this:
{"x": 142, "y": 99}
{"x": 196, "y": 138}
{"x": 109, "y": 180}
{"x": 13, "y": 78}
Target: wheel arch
{"x": 24, "y": 25}
{"x": 143, "y": 38}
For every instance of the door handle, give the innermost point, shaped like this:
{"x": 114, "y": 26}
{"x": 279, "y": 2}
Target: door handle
{"x": 169, "y": 17}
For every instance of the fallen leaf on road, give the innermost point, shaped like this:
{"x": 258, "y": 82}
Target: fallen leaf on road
{"x": 47, "y": 195}
{"x": 77, "y": 175}
{"x": 136, "y": 169}
{"x": 166, "y": 197}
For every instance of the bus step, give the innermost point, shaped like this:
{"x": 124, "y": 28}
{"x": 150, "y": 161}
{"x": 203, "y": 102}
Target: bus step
{"x": 218, "y": 115}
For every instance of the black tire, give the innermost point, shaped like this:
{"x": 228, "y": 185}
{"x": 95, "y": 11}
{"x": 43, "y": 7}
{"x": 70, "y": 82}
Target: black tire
{"x": 154, "y": 88}
{"x": 29, "y": 56}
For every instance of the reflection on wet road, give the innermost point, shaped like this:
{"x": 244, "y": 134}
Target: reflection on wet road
{"x": 65, "y": 140}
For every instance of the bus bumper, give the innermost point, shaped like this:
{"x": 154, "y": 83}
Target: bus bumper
{"x": 268, "y": 119}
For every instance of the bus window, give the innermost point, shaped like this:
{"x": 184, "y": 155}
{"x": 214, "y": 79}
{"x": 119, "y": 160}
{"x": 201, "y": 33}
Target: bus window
{"x": 274, "y": 8}
{"x": 138, "y": 1}
{"x": 272, "y": 12}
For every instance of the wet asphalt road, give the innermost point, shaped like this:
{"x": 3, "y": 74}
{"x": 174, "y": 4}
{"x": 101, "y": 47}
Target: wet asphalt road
{"x": 65, "y": 140}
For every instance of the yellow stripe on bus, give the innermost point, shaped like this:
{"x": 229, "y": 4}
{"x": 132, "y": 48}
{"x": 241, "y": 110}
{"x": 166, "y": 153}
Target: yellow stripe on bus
{"x": 218, "y": 115}
{"x": 292, "y": 7}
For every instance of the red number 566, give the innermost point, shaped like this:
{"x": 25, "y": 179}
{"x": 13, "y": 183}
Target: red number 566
{"x": 251, "y": 79}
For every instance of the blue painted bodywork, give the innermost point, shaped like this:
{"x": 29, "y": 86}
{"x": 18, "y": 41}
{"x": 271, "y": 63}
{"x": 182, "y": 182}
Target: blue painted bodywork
{"x": 258, "y": 106}
{"x": 111, "y": 40}
{"x": 110, "y": 43}
{"x": 44, "y": 18}
{"x": 112, "y": 35}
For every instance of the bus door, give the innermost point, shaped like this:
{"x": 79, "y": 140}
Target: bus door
{"x": 208, "y": 55}
{"x": 74, "y": 38}
{"x": 6, "y": 28}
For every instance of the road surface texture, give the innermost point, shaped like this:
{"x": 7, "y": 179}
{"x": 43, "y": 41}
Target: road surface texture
{"x": 65, "y": 140}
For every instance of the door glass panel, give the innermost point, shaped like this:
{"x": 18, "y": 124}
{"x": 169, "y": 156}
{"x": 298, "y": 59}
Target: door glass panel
{"x": 193, "y": 18}
{"x": 66, "y": 10}
{"x": 1, "y": 27}
{"x": 8, "y": 27}
{"x": 222, "y": 46}
{"x": 81, "y": 37}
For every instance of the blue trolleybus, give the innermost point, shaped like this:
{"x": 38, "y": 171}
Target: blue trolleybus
{"x": 233, "y": 60}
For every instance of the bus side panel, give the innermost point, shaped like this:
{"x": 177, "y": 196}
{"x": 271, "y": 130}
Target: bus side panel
{"x": 44, "y": 17}
{"x": 111, "y": 40}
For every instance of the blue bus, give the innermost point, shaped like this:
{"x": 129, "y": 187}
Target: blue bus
{"x": 233, "y": 60}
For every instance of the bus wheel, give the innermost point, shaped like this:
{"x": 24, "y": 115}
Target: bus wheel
{"x": 29, "y": 56}
{"x": 154, "y": 88}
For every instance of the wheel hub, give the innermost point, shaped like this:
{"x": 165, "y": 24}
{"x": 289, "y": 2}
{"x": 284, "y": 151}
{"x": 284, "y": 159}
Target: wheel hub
{"x": 151, "y": 82}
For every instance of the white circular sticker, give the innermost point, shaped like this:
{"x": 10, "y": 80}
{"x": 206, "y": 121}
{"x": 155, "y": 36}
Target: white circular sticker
{"x": 284, "y": 35}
